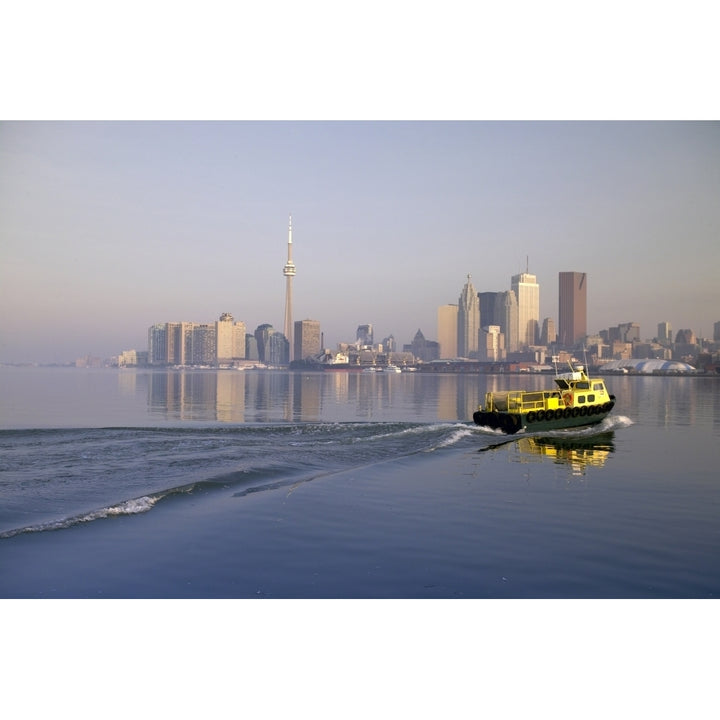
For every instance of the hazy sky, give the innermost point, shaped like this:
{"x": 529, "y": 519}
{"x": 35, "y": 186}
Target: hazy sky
{"x": 109, "y": 227}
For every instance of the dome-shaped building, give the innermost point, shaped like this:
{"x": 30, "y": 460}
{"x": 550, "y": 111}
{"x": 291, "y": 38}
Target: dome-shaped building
{"x": 648, "y": 366}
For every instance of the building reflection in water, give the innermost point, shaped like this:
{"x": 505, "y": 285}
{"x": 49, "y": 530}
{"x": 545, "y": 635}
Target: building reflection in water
{"x": 578, "y": 453}
{"x": 262, "y": 396}
{"x": 275, "y": 396}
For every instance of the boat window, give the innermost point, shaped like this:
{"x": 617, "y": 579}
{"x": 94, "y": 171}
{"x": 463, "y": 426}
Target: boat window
{"x": 583, "y": 385}
{"x": 580, "y": 398}
{"x": 591, "y": 398}
{"x": 598, "y": 386}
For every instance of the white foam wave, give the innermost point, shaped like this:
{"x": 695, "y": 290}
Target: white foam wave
{"x": 415, "y": 430}
{"x": 461, "y": 431}
{"x": 128, "y": 507}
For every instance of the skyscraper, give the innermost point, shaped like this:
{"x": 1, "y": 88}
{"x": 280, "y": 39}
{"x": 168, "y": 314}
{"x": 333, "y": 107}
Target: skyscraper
{"x": 572, "y": 308}
{"x": 548, "y": 336}
{"x": 664, "y": 333}
{"x": 229, "y": 339}
{"x": 289, "y": 273}
{"x": 527, "y": 292}
{"x": 468, "y": 324}
{"x": 447, "y": 327}
{"x": 506, "y": 316}
{"x": 307, "y": 339}
{"x": 364, "y": 335}
{"x": 487, "y": 308}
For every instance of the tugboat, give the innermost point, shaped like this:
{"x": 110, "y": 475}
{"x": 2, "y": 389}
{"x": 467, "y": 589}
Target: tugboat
{"x": 578, "y": 401}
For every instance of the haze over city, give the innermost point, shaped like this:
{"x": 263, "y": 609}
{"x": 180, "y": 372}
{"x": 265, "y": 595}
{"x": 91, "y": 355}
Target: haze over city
{"x": 108, "y": 227}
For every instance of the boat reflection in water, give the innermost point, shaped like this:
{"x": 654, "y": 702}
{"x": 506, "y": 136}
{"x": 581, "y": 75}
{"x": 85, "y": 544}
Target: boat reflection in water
{"x": 577, "y": 452}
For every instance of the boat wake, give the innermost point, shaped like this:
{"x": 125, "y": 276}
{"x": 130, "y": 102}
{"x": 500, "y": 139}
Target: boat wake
{"x": 247, "y": 460}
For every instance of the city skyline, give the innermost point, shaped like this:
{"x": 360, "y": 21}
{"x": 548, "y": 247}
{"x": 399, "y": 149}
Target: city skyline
{"x": 109, "y": 227}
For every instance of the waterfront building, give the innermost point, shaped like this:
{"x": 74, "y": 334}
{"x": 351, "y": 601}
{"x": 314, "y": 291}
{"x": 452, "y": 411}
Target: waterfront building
{"x": 157, "y": 344}
{"x": 506, "y": 316}
{"x": 170, "y": 343}
{"x": 468, "y": 323}
{"x": 447, "y": 330}
{"x": 307, "y": 339}
{"x": 572, "y": 308}
{"x": 230, "y": 340}
{"x": 289, "y": 273}
{"x": 527, "y": 292}
{"x": 204, "y": 342}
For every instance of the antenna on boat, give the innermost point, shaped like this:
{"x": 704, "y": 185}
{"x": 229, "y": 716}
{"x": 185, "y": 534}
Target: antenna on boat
{"x": 555, "y": 361}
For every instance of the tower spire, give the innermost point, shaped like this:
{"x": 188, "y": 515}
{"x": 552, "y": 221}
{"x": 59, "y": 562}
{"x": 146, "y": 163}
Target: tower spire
{"x": 289, "y": 273}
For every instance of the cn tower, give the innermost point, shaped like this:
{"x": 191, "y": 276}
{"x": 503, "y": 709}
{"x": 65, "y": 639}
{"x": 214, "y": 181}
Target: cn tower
{"x": 289, "y": 273}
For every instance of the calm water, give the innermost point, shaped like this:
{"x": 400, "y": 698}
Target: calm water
{"x": 276, "y": 484}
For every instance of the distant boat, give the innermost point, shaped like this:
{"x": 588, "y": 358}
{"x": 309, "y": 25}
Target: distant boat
{"x": 579, "y": 400}
{"x": 391, "y": 369}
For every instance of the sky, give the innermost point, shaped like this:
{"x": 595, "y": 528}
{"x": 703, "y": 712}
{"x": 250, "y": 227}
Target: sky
{"x": 109, "y": 227}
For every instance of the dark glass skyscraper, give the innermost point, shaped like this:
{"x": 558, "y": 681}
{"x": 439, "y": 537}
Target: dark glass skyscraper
{"x": 572, "y": 308}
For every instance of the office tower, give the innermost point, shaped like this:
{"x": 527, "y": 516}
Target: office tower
{"x": 289, "y": 273}
{"x": 716, "y": 332}
{"x": 389, "y": 344}
{"x": 277, "y": 350}
{"x": 506, "y": 316}
{"x": 664, "y": 333}
{"x": 487, "y": 308}
{"x": 527, "y": 292}
{"x": 307, "y": 339}
{"x": 422, "y": 349}
{"x": 263, "y": 334}
{"x": 447, "y": 327}
{"x": 548, "y": 336}
{"x": 685, "y": 337}
{"x": 468, "y": 324}
{"x": 629, "y": 332}
{"x": 251, "y": 347}
{"x": 572, "y": 308}
{"x": 492, "y": 344}
{"x": 364, "y": 335}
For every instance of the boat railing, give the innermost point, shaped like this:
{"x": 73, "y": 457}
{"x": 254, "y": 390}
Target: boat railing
{"x": 521, "y": 401}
